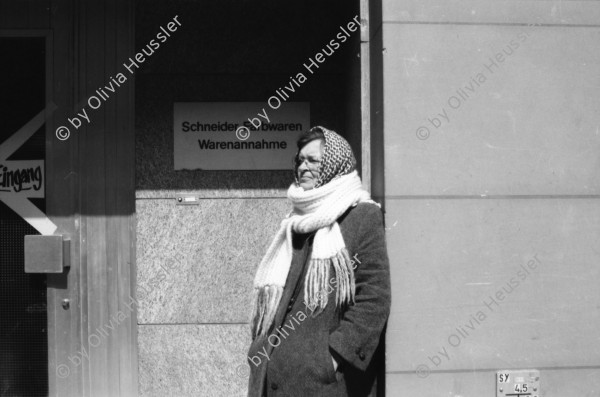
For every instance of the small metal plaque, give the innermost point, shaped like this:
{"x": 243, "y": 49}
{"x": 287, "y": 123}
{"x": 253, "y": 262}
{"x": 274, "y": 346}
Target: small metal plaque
{"x": 46, "y": 254}
{"x": 516, "y": 383}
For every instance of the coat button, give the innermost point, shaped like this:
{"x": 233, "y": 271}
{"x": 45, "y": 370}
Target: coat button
{"x": 274, "y": 386}
{"x": 361, "y": 355}
{"x": 291, "y": 305}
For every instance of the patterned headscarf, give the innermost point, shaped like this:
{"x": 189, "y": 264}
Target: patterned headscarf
{"x": 338, "y": 158}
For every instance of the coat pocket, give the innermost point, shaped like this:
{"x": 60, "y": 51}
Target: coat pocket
{"x": 327, "y": 361}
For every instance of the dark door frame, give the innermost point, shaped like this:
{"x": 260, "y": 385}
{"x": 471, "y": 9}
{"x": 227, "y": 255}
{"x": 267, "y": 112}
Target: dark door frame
{"x": 92, "y": 199}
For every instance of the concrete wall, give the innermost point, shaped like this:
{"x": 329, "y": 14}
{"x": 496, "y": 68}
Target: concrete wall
{"x": 196, "y": 263}
{"x": 492, "y": 188}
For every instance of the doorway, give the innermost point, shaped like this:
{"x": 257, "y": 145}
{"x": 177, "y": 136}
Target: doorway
{"x": 23, "y": 329}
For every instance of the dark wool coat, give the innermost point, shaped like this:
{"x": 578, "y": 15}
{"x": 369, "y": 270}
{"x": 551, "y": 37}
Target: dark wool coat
{"x": 294, "y": 358}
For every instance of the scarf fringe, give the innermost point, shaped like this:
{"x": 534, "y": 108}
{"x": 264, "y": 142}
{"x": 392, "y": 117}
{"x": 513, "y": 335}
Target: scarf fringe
{"x": 318, "y": 285}
{"x": 265, "y": 307}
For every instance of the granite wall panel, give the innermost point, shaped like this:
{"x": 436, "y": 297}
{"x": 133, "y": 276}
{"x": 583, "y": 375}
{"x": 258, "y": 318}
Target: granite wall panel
{"x": 193, "y": 360}
{"x": 196, "y": 263}
{"x": 489, "y": 110}
{"x": 492, "y": 282}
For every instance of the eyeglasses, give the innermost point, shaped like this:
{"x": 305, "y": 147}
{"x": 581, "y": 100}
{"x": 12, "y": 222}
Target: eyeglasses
{"x": 310, "y": 163}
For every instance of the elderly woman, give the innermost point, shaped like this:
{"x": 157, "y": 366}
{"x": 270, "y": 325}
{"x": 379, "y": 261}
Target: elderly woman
{"x": 322, "y": 291}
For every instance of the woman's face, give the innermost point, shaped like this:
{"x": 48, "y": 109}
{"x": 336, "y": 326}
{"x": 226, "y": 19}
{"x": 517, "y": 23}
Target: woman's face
{"x": 310, "y": 157}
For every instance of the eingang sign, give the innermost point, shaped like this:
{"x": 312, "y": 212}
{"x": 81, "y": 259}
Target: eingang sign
{"x": 21, "y": 180}
{"x": 205, "y": 135}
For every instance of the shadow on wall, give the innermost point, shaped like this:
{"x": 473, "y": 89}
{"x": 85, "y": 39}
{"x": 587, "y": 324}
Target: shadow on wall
{"x": 233, "y": 52}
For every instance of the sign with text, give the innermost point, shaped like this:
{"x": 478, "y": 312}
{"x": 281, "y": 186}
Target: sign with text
{"x": 237, "y": 135}
{"x": 21, "y": 180}
{"x": 518, "y": 383}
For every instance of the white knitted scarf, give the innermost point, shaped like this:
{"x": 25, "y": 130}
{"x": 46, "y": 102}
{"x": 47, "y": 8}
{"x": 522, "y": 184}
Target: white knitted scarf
{"x": 315, "y": 209}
